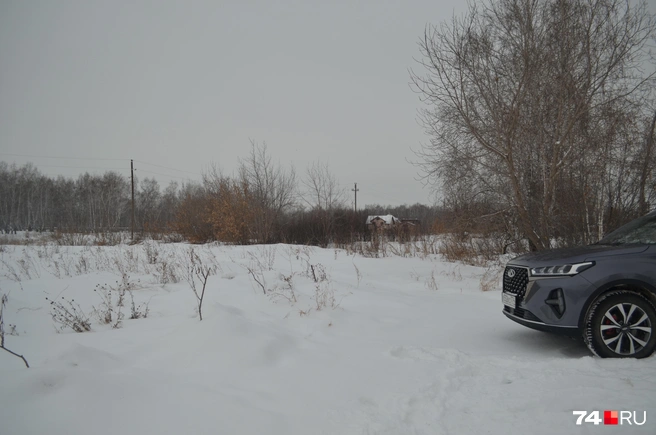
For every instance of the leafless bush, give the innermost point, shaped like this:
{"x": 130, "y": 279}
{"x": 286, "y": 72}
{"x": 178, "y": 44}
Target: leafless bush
{"x": 111, "y": 238}
{"x": 302, "y": 254}
{"x": 3, "y": 302}
{"x": 27, "y": 265}
{"x": 286, "y": 291}
{"x": 118, "y": 320}
{"x": 358, "y": 274}
{"x": 376, "y": 247}
{"x": 101, "y": 258}
{"x": 427, "y": 246}
{"x": 113, "y": 300}
{"x": 318, "y": 273}
{"x": 110, "y": 310}
{"x": 10, "y": 272}
{"x": 124, "y": 261}
{"x": 68, "y": 314}
{"x": 105, "y": 311}
{"x": 324, "y": 293}
{"x": 324, "y": 296}
{"x": 138, "y": 311}
{"x": 264, "y": 257}
{"x": 406, "y": 249}
{"x": 255, "y": 271}
{"x": 292, "y": 252}
{"x": 380, "y": 246}
{"x": 455, "y": 274}
{"x": 60, "y": 264}
{"x": 166, "y": 273}
{"x": 198, "y": 269}
{"x": 9, "y": 240}
{"x": 267, "y": 255}
{"x": 152, "y": 252}
{"x": 468, "y": 250}
{"x": 82, "y": 266}
{"x": 286, "y": 288}
{"x": 70, "y": 238}
{"x": 491, "y": 278}
{"x": 47, "y": 250}
{"x": 430, "y": 282}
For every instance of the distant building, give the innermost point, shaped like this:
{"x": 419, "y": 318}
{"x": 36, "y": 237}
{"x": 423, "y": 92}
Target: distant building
{"x": 382, "y": 222}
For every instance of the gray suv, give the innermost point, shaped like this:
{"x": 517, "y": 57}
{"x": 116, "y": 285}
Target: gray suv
{"x": 605, "y": 292}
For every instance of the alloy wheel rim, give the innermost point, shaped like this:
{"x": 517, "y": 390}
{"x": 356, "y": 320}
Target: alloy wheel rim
{"x": 625, "y": 329}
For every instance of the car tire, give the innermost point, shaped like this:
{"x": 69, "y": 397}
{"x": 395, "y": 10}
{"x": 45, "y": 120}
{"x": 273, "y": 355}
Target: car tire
{"x": 621, "y": 324}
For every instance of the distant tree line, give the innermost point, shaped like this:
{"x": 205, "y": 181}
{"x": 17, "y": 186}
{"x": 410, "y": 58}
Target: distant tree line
{"x": 30, "y": 200}
{"x": 263, "y": 203}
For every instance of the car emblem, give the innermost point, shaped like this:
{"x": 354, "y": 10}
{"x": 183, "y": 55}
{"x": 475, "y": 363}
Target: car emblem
{"x": 511, "y": 273}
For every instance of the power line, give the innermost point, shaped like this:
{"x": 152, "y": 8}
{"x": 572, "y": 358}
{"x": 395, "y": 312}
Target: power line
{"x": 163, "y": 175}
{"x": 62, "y": 158}
{"x": 81, "y": 167}
{"x": 166, "y": 167}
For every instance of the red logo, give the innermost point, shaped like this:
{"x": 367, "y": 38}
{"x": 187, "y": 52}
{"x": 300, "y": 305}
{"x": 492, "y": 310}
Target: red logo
{"x": 611, "y": 417}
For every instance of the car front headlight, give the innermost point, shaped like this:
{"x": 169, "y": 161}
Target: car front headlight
{"x": 561, "y": 270}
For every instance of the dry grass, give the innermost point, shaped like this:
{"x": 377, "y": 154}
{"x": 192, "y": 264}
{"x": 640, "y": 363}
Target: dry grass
{"x": 491, "y": 279}
{"x": 471, "y": 250}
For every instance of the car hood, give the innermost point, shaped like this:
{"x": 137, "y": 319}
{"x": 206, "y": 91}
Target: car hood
{"x": 575, "y": 255}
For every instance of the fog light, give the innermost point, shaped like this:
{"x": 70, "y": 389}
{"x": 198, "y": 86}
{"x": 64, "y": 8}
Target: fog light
{"x": 557, "y": 302}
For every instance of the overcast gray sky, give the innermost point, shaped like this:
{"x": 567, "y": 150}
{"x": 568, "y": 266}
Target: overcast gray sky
{"x": 182, "y": 84}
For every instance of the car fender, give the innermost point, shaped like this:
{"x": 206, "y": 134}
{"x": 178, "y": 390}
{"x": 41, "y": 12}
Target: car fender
{"x": 646, "y": 289}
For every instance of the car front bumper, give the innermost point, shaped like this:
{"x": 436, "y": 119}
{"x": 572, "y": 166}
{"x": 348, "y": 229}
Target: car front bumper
{"x": 552, "y": 304}
{"x": 541, "y": 326}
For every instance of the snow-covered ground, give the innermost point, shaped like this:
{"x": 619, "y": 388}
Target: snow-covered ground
{"x": 340, "y": 344}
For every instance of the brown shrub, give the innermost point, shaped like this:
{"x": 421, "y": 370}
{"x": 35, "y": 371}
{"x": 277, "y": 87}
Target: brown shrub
{"x": 192, "y": 218}
{"x": 232, "y": 216}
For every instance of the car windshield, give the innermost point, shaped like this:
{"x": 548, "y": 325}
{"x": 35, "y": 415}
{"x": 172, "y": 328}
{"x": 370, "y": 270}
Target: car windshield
{"x": 639, "y": 231}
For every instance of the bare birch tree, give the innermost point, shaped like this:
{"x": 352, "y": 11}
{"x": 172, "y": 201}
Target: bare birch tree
{"x": 527, "y": 103}
{"x": 272, "y": 190}
{"x": 322, "y": 193}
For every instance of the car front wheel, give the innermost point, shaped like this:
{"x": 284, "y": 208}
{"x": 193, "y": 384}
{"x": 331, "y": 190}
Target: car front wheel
{"x": 620, "y": 325}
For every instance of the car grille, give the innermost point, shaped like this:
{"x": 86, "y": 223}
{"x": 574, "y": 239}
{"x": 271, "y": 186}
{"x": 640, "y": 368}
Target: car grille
{"x": 522, "y": 313}
{"x": 517, "y": 283}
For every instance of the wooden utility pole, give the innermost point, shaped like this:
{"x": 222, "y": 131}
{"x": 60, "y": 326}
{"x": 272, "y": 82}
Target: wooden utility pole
{"x": 355, "y": 189}
{"x": 132, "y": 176}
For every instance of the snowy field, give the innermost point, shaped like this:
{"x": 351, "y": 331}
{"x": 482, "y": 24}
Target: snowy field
{"x": 339, "y": 344}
